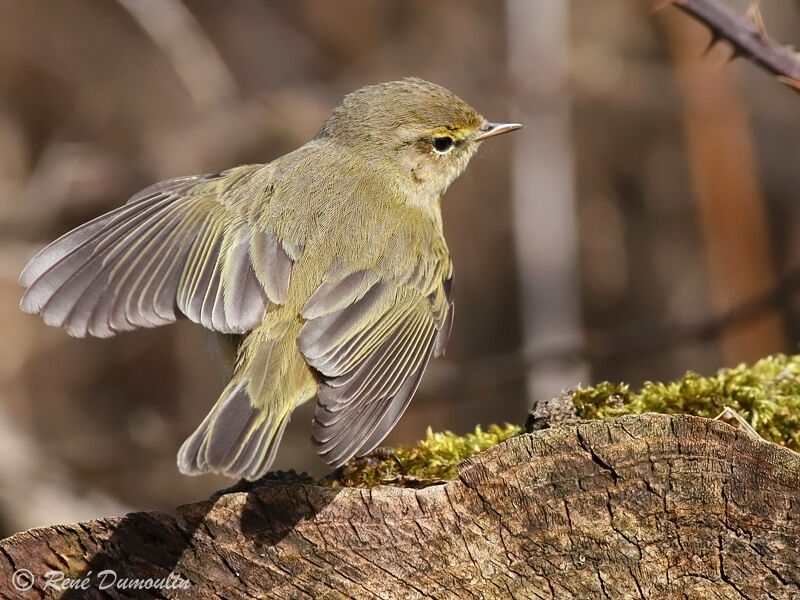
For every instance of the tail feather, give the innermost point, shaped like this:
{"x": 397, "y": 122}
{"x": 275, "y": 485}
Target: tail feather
{"x": 235, "y": 439}
{"x": 240, "y": 436}
{"x": 258, "y": 455}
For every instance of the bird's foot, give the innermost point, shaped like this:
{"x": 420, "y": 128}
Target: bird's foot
{"x": 383, "y": 453}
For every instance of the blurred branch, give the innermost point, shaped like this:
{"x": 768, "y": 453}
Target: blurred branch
{"x": 747, "y": 37}
{"x": 36, "y": 490}
{"x": 600, "y": 348}
{"x": 543, "y": 166}
{"x": 678, "y": 335}
{"x": 193, "y": 56}
{"x": 727, "y": 191}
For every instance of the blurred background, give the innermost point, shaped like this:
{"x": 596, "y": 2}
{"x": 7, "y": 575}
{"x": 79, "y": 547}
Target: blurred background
{"x": 642, "y": 224}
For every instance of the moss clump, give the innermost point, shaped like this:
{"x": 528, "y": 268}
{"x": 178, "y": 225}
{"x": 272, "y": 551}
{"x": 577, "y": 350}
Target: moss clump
{"x": 432, "y": 460}
{"x": 766, "y": 395}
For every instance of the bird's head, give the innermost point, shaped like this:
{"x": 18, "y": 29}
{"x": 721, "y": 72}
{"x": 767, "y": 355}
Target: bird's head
{"x": 418, "y": 127}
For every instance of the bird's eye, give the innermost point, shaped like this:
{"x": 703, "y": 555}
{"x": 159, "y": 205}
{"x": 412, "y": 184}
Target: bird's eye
{"x": 442, "y": 144}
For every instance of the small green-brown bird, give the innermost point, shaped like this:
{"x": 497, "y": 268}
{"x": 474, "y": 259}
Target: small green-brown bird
{"x": 326, "y": 271}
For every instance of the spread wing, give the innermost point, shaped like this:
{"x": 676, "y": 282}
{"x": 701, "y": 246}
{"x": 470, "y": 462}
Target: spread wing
{"x": 179, "y": 246}
{"x": 370, "y": 340}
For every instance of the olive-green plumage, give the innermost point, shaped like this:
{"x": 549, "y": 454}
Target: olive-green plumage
{"x": 326, "y": 270}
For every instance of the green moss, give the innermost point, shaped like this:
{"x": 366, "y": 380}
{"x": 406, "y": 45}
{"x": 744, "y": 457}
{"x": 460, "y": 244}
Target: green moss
{"x": 766, "y": 395}
{"x": 433, "y": 460}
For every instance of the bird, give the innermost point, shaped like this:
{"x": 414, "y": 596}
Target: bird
{"x": 325, "y": 273}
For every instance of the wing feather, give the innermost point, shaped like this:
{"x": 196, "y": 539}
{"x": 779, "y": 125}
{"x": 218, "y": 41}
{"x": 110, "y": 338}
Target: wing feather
{"x": 174, "y": 247}
{"x": 392, "y": 413}
{"x": 49, "y": 272}
{"x": 443, "y": 335}
{"x": 325, "y": 333}
{"x": 73, "y": 240}
{"x": 332, "y": 296}
{"x": 273, "y": 265}
{"x": 370, "y": 340}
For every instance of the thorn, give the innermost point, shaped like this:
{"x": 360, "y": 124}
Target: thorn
{"x": 662, "y": 4}
{"x": 788, "y": 81}
{"x": 753, "y": 14}
{"x": 723, "y": 62}
{"x": 715, "y": 39}
{"x": 737, "y": 53}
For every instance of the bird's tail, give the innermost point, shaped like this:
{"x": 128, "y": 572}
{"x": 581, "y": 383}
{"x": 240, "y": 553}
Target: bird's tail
{"x": 240, "y": 435}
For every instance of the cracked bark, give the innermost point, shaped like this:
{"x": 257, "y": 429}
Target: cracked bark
{"x": 643, "y": 507}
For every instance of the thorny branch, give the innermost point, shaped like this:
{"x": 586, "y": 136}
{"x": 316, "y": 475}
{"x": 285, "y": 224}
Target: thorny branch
{"x": 746, "y": 35}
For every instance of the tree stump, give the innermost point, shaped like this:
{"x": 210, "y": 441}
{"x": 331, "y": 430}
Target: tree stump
{"x": 647, "y": 506}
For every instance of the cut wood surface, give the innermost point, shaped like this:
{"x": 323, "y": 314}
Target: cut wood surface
{"x": 647, "y": 506}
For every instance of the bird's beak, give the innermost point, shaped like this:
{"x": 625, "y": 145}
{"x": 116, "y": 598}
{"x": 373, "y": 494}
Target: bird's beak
{"x": 493, "y": 129}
